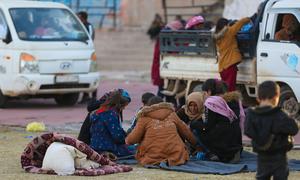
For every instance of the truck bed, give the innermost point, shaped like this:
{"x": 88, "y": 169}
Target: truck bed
{"x": 191, "y": 55}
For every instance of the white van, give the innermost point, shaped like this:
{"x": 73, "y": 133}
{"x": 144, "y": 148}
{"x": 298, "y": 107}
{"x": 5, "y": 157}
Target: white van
{"x": 45, "y": 51}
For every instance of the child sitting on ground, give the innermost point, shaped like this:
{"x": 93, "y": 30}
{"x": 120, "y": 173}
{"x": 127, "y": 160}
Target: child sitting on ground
{"x": 145, "y": 98}
{"x": 160, "y": 134}
{"x": 270, "y": 130}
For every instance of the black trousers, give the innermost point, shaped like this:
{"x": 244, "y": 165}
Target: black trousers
{"x": 275, "y": 166}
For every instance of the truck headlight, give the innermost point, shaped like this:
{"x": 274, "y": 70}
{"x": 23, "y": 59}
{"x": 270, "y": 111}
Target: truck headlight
{"x": 93, "y": 66}
{"x": 28, "y": 63}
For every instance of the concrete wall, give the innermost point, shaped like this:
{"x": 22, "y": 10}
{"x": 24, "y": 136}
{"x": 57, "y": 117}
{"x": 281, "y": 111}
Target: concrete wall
{"x": 140, "y": 13}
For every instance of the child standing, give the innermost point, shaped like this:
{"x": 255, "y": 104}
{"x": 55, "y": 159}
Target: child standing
{"x": 270, "y": 130}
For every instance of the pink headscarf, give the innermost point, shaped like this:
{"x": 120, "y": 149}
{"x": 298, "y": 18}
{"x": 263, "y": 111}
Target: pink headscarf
{"x": 175, "y": 25}
{"x": 218, "y": 105}
{"x": 194, "y": 21}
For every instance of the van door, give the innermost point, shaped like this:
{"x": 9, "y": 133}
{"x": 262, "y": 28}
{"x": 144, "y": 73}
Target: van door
{"x": 278, "y": 53}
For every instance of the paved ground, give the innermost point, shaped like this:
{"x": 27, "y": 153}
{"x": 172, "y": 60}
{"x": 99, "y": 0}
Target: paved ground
{"x": 21, "y": 112}
{"x": 64, "y": 119}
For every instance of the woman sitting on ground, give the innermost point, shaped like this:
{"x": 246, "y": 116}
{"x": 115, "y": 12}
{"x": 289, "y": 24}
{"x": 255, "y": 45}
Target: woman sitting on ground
{"x": 84, "y": 133}
{"x": 220, "y": 130}
{"x": 159, "y": 132}
{"x": 193, "y": 108}
{"x": 107, "y": 134}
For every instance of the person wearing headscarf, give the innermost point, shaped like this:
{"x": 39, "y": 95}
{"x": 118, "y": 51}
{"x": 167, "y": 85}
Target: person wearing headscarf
{"x": 193, "y": 109}
{"x": 84, "y": 133}
{"x": 155, "y": 27}
{"x": 160, "y": 135}
{"x": 107, "y": 134}
{"x": 289, "y": 32}
{"x": 195, "y": 23}
{"x": 220, "y": 130}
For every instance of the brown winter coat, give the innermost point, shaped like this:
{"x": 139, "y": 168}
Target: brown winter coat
{"x": 227, "y": 46}
{"x": 159, "y": 132}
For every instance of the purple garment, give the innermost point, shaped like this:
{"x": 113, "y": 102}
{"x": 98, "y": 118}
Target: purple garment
{"x": 218, "y": 105}
{"x": 242, "y": 117}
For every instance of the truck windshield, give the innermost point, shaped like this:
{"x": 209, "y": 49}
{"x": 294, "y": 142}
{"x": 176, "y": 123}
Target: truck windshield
{"x": 47, "y": 24}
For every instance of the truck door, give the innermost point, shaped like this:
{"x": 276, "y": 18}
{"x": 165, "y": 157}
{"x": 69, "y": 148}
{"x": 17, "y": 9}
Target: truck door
{"x": 279, "y": 49}
{"x": 278, "y": 52}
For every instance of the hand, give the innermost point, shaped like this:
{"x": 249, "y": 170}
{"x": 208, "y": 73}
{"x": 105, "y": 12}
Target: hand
{"x": 126, "y": 142}
{"x": 111, "y": 163}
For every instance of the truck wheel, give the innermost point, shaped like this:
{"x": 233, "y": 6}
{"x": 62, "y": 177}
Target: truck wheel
{"x": 67, "y": 99}
{"x": 3, "y": 100}
{"x": 196, "y": 87}
{"x": 246, "y": 99}
{"x": 288, "y": 101}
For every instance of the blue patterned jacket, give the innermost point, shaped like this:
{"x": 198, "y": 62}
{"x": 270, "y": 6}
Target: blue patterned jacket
{"x": 107, "y": 133}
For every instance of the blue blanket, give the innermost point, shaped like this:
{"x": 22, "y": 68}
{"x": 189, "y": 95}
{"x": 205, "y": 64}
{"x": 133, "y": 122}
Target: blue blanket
{"x": 247, "y": 164}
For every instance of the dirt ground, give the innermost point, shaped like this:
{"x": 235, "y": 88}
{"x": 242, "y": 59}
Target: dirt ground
{"x": 14, "y": 140}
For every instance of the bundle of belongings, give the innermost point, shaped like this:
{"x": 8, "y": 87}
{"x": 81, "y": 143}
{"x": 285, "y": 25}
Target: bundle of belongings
{"x": 54, "y": 153}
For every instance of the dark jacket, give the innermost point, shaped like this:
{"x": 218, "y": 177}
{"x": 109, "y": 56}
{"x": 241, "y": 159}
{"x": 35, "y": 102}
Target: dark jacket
{"x": 84, "y": 133}
{"x": 270, "y": 130}
{"x": 217, "y": 133}
{"x": 89, "y": 27}
{"x": 185, "y": 118}
{"x": 93, "y": 105}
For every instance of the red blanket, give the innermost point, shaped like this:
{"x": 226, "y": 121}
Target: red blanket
{"x": 33, "y": 155}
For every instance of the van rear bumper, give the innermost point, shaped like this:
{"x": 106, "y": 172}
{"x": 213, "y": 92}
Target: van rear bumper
{"x": 31, "y": 84}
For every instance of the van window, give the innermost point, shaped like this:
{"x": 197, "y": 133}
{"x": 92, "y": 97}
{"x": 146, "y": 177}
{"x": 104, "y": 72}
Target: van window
{"x": 47, "y": 24}
{"x": 2, "y": 19}
{"x": 287, "y": 28}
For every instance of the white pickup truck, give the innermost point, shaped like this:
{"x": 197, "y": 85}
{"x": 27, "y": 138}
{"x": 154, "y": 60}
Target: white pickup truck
{"x": 189, "y": 57}
{"x": 45, "y": 51}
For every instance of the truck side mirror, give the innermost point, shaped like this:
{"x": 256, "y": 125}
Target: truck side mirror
{"x": 3, "y": 32}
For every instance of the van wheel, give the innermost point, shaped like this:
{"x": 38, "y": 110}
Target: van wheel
{"x": 3, "y": 100}
{"x": 288, "y": 101}
{"x": 67, "y": 99}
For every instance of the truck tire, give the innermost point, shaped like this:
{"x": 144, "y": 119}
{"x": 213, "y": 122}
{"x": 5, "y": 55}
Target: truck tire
{"x": 288, "y": 101}
{"x": 67, "y": 99}
{"x": 3, "y": 100}
{"x": 246, "y": 99}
